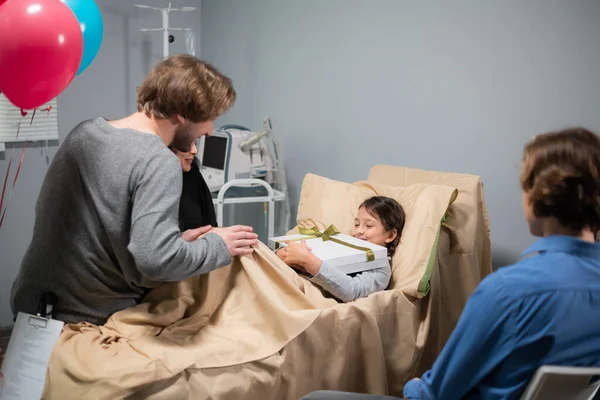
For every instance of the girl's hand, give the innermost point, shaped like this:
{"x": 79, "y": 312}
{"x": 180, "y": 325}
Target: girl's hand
{"x": 295, "y": 253}
{"x": 298, "y": 254}
{"x": 282, "y": 253}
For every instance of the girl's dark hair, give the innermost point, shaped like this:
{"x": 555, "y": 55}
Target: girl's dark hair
{"x": 561, "y": 176}
{"x": 390, "y": 213}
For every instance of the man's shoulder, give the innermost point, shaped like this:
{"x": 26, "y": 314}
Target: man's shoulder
{"x": 87, "y": 126}
{"x": 99, "y": 133}
{"x": 105, "y": 147}
{"x": 157, "y": 161}
{"x": 86, "y": 133}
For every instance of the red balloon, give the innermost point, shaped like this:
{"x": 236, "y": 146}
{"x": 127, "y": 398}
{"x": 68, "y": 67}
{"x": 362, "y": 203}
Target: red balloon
{"x": 40, "y": 50}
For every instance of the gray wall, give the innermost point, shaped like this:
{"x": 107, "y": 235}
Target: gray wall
{"x": 106, "y": 88}
{"x": 456, "y": 86}
{"x": 444, "y": 85}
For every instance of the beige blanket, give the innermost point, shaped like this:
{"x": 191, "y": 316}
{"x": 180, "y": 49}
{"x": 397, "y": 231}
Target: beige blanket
{"x": 257, "y": 330}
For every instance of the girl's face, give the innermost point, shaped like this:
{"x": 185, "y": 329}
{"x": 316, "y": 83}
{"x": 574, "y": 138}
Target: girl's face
{"x": 368, "y": 227}
{"x": 186, "y": 159}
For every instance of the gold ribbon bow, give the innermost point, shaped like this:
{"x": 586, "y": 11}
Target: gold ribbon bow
{"x": 314, "y": 231}
{"x": 327, "y": 235}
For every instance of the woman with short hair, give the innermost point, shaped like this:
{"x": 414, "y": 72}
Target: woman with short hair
{"x": 543, "y": 310}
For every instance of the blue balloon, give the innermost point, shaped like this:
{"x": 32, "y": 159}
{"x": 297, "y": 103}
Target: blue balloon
{"x": 90, "y": 19}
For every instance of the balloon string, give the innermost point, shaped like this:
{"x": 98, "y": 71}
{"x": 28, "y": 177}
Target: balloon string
{"x": 8, "y": 171}
{"x": 19, "y": 167}
{"x": 16, "y": 174}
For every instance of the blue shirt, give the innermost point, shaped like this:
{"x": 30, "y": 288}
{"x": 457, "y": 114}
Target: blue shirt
{"x": 543, "y": 310}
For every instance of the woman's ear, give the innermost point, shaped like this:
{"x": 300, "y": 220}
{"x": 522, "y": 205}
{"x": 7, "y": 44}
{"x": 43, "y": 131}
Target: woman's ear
{"x": 534, "y": 223}
{"x": 391, "y": 236}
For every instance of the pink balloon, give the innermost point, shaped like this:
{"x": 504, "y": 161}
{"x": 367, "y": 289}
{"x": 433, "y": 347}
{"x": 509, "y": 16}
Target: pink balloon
{"x": 40, "y": 50}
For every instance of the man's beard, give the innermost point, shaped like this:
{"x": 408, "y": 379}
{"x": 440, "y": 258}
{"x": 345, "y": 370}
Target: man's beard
{"x": 184, "y": 138}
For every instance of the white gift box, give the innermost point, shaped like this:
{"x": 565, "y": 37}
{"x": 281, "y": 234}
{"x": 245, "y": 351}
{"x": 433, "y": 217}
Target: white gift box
{"x": 344, "y": 258}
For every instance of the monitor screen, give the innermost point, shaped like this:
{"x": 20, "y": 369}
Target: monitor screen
{"x": 214, "y": 152}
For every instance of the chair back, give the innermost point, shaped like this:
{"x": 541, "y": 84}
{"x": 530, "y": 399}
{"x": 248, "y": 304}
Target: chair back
{"x": 564, "y": 383}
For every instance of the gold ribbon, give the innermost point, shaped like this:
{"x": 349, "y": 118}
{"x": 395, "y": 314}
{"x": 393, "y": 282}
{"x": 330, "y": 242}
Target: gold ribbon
{"x": 327, "y": 235}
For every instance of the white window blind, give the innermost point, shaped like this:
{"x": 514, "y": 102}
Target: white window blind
{"x": 44, "y": 126}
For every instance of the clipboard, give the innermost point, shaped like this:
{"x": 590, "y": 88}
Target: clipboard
{"x": 26, "y": 358}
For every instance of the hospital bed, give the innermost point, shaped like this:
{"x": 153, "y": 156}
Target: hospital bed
{"x": 257, "y": 330}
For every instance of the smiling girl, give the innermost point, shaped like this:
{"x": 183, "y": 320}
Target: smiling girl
{"x": 380, "y": 220}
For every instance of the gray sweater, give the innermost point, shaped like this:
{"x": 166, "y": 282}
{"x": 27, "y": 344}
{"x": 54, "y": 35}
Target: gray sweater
{"x": 106, "y": 227}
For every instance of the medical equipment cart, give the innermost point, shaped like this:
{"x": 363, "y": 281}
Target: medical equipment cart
{"x": 246, "y": 191}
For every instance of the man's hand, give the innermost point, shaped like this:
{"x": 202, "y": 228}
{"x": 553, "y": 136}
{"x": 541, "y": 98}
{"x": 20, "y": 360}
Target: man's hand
{"x": 192, "y": 234}
{"x": 239, "y": 239}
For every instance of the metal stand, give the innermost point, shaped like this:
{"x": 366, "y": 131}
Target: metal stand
{"x": 271, "y": 197}
{"x": 165, "y": 24}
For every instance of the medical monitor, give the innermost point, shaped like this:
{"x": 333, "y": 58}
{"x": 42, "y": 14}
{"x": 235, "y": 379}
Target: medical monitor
{"x": 215, "y": 151}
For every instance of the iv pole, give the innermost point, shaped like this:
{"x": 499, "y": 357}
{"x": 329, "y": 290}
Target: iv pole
{"x": 165, "y": 24}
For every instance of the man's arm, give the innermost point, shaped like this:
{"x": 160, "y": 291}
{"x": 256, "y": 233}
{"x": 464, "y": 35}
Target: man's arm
{"x": 482, "y": 339}
{"x": 156, "y": 244}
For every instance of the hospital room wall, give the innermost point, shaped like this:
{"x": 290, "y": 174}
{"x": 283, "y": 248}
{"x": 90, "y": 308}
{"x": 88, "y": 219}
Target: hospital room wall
{"x": 106, "y": 88}
{"x": 443, "y": 85}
